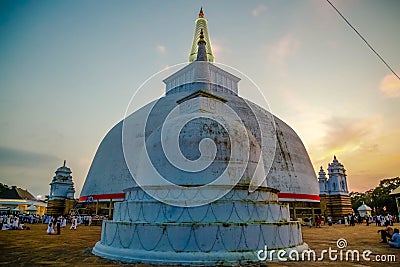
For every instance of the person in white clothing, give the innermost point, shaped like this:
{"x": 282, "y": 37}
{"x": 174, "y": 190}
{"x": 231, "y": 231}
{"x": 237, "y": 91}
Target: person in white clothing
{"x": 74, "y": 223}
{"x": 346, "y": 221}
{"x": 50, "y": 228}
{"x": 16, "y": 223}
{"x": 64, "y": 222}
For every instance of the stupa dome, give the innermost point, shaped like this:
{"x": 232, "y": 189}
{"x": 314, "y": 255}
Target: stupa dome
{"x": 290, "y": 171}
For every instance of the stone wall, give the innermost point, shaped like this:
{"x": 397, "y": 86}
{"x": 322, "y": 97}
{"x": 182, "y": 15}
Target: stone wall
{"x": 336, "y": 206}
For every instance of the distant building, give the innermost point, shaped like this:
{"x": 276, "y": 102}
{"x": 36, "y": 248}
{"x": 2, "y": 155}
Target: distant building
{"x": 62, "y": 186}
{"x": 15, "y": 200}
{"x": 334, "y": 193}
{"x": 62, "y": 191}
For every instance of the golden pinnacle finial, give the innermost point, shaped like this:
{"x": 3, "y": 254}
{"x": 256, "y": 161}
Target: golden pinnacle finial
{"x": 201, "y": 14}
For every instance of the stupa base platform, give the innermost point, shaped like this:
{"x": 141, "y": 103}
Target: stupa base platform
{"x": 185, "y": 258}
{"x": 200, "y": 243}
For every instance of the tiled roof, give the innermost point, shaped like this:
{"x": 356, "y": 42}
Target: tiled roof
{"x": 16, "y": 193}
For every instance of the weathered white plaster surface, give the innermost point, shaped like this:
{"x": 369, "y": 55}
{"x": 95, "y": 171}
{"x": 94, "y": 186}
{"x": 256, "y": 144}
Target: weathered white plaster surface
{"x": 291, "y": 170}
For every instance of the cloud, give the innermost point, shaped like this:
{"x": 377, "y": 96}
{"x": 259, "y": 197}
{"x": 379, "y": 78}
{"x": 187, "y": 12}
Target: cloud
{"x": 216, "y": 48}
{"x": 220, "y": 49}
{"x": 161, "y": 49}
{"x": 83, "y": 162}
{"x": 368, "y": 150}
{"x": 27, "y": 169}
{"x": 350, "y": 134}
{"x": 284, "y": 48}
{"x": 390, "y": 86}
{"x": 259, "y": 10}
{"x": 10, "y": 157}
{"x": 378, "y": 160}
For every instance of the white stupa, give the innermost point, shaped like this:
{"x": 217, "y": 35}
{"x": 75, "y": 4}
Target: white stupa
{"x": 291, "y": 171}
{"x": 201, "y": 170}
{"x": 364, "y": 210}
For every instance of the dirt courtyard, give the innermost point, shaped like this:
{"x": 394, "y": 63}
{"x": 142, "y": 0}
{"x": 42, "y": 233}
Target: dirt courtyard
{"x": 73, "y": 248}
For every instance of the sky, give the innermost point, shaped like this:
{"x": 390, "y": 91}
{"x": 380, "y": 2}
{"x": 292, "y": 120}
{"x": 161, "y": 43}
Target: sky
{"x": 69, "y": 68}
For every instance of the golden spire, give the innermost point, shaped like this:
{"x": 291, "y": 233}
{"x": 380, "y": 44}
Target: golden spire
{"x": 201, "y": 24}
{"x": 201, "y": 14}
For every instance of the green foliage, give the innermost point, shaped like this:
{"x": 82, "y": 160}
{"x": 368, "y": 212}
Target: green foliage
{"x": 3, "y": 187}
{"x": 357, "y": 199}
{"x": 378, "y": 198}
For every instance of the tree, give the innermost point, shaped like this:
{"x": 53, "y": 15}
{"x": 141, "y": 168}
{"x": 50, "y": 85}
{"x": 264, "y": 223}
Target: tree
{"x": 357, "y": 199}
{"x": 3, "y": 187}
{"x": 379, "y": 197}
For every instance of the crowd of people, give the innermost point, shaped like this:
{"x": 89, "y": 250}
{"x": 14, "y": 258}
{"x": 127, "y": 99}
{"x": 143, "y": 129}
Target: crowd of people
{"x": 382, "y": 220}
{"x": 54, "y": 224}
{"x": 17, "y": 222}
{"x": 379, "y": 220}
{"x": 389, "y": 234}
{"x": 317, "y": 221}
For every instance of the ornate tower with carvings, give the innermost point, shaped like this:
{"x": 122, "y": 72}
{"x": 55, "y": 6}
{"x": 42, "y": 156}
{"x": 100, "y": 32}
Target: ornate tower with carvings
{"x": 334, "y": 193}
{"x": 62, "y": 191}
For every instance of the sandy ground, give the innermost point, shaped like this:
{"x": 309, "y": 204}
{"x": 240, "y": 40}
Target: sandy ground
{"x": 73, "y": 248}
